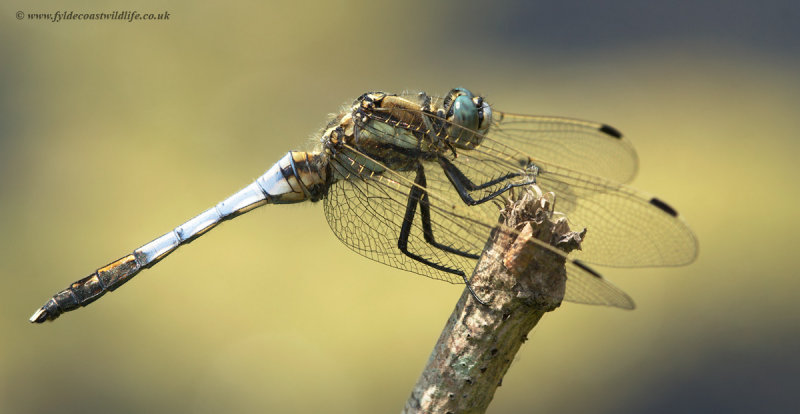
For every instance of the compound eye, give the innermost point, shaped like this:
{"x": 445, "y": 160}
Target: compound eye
{"x": 465, "y": 113}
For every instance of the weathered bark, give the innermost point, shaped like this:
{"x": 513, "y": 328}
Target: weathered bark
{"x": 520, "y": 281}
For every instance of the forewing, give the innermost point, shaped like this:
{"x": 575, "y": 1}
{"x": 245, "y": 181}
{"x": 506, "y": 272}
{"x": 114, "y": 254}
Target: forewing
{"x": 591, "y": 147}
{"x": 594, "y": 148}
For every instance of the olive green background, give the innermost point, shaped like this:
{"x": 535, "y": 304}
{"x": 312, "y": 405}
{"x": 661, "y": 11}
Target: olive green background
{"x": 112, "y": 133}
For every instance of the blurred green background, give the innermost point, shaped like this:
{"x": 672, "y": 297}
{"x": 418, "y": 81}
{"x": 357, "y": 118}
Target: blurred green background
{"x": 112, "y": 133}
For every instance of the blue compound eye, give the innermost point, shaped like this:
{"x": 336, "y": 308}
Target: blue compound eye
{"x": 465, "y": 113}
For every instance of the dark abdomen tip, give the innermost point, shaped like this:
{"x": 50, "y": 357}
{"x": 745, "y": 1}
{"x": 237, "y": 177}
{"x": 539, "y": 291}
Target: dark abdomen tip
{"x": 39, "y": 316}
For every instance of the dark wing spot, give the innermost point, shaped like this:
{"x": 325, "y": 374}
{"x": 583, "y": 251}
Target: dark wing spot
{"x": 664, "y": 207}
{"x": 588, "y": 269}
{"x": 609, "y": 130}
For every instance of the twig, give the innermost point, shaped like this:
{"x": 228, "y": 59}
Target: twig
{"x": 520, "y": 281}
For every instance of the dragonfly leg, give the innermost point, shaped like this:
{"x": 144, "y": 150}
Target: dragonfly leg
{"x": 464, "y": 185}
{"x": 425, "y": 215}
{"x": 418, "y": 195}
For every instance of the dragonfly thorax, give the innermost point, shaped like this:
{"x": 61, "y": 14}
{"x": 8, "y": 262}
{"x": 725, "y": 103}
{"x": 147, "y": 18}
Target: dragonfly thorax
{"x": 381, "y": 131}
{"x": 399, "y": 131}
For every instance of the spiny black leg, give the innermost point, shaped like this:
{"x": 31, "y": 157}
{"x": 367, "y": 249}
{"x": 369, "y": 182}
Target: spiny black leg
{"x": 468, "y": 184}
{"x": 463, "y": 184}
{"x": 414, "y": 197}
{"x": 427, "y": 228}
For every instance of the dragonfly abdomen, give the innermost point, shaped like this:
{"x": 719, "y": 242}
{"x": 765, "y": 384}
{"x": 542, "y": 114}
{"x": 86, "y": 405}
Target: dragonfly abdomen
{"x": 298, "y": 176}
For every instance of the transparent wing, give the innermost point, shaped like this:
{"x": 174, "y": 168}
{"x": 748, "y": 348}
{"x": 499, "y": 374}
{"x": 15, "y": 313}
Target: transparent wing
{"x": 366, "y": 212}
{"x": 626, "y": 228}
{"x": 587, "y": 287}
{"x": 594, "y": 148}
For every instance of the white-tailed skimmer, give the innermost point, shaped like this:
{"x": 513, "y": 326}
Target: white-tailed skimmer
{"x": 410, "y": 181}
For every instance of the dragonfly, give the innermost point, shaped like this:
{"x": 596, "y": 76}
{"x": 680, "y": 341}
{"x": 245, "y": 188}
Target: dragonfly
{"x": 414, "y": 181}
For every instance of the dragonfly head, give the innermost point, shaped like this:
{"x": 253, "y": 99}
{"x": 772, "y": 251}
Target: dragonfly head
{"x": 465, "y": 111}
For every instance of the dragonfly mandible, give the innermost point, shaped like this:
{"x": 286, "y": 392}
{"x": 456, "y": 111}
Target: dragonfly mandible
{"x": 413, "y": 181}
